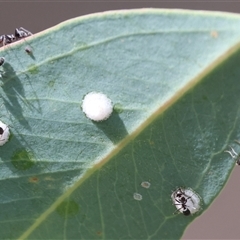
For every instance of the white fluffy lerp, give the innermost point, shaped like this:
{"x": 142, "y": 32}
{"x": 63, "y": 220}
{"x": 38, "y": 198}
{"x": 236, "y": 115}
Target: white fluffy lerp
{"x": 97, "y": 106}
{"x": 4, "y": 133}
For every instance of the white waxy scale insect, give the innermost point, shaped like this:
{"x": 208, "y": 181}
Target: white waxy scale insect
{"x": 137, "y": 196}
{"x": 97, "y": 106}
{"x": 186, "y": 201}
{"x": 4, "y": 133}
{"x": 146, "y": 184}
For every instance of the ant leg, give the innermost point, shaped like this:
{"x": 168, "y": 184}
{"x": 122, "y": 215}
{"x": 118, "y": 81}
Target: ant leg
{"x": 179, "y": 202}
{"x": 178, "y": 210}
{"x": 182, "y": 207}
{"x": 231, "y": 152}
{"x": 26, "y": 31}
{"x": 22, "y": 33}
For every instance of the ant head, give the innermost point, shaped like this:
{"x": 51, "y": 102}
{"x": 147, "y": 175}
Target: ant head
{"x": 178, "y": 193}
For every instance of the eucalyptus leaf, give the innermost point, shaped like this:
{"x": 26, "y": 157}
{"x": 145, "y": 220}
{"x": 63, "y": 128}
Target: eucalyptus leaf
{"x": 173, "y": 77}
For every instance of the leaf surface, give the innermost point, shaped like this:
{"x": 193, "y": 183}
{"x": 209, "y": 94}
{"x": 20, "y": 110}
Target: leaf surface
{"x": 173, "y": 78}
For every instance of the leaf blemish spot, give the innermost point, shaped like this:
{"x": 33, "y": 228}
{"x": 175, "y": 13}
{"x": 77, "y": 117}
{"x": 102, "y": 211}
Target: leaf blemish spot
{"x": 68, "y": 208}
{"x": 33, "y": 69}
{"x": 97, "y": 106}
{"x": 186, "y": 201}
{"x": 4, "y": 133}
{"x": 33, "y": 179}
{"x": 214, "y": 34}
{"x": 23, "y": 160}
{"x": 118, "y": 108}
{"x": 146, "y": 184}
{"x": 137, "y": 196}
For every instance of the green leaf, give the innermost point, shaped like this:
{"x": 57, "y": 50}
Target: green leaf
{"x": 173, "y": 78}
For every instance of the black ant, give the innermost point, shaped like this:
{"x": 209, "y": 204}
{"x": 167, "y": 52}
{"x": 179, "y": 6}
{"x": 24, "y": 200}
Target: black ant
{"x": 18, "y": 34}
{"x": 187, "y": 200}
{"x": 181, "y": 198}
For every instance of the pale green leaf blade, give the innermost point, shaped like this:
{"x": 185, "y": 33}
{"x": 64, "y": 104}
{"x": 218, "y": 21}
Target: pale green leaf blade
{"x": 66, "y": 177}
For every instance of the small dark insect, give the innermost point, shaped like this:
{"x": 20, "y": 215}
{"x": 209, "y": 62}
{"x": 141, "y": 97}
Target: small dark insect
{"x": 28, "y": 50}
{"x": 233, "y": 154}
{"x": 182, "y": 199}
{"x": 186, "y": 201}
{"x": 2, "y": 60}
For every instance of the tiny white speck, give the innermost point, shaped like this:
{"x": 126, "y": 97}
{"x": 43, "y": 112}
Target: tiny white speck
{"x": 137, "y": 196}
{"x": 97, "y": 106}
{"x": 145, "y": 184}
{"x": 4, "y": 133}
